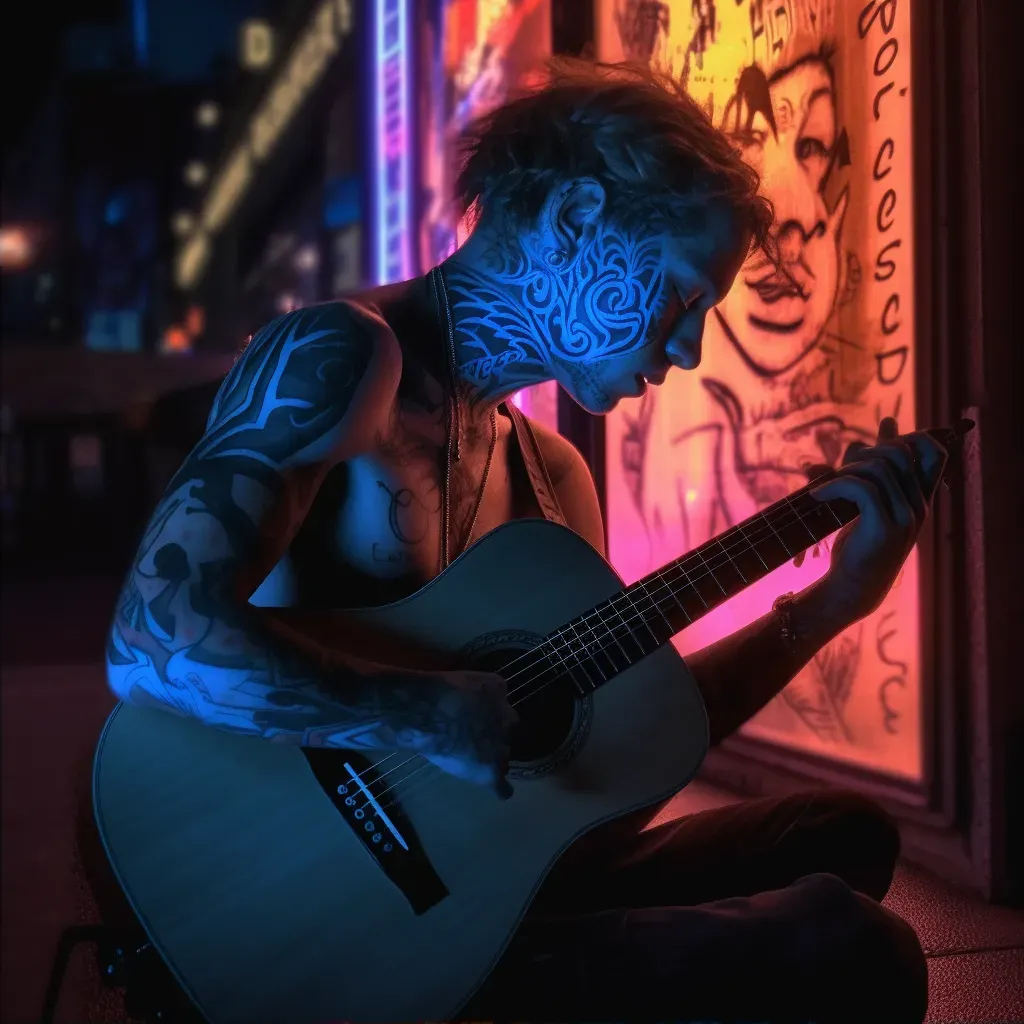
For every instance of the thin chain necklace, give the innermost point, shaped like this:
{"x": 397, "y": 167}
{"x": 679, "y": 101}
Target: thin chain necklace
{"x": 454, "y": 426}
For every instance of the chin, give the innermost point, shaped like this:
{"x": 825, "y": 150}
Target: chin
{"x": 597, "y": 405}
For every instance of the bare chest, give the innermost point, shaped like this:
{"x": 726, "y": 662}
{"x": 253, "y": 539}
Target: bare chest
{"x": 375, "y": 532}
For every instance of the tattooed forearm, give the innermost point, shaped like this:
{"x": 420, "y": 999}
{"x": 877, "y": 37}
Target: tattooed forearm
{"x": 184, "y": 637}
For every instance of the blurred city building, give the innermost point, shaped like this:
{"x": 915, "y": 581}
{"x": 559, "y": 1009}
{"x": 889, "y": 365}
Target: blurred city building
{"x": 102, "y": 177}
{"x": 193, "y": 170}
{"x": 277, "y": 223}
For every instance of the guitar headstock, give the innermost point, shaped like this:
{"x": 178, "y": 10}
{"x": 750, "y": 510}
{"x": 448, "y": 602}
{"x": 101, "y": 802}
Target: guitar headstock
{"x": 952, "y": 440}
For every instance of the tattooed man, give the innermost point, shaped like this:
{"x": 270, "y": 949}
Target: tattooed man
{"x": 610, "y": 218}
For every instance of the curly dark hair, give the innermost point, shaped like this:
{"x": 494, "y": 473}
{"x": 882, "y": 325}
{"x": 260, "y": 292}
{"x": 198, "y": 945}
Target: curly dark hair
{"x": 634, "y": 129}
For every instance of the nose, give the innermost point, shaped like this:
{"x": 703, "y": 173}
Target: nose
{"x": 799, "y": 207}
{"x": 686, "y": 352}
{"x": 792, "y": 237}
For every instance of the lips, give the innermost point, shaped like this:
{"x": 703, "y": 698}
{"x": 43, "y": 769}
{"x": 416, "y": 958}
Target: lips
{"x": 775, "y": 288}
{"x": 775, "y": 327}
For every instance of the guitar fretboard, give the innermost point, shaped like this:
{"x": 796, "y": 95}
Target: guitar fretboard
{"x": 619, "y": 632}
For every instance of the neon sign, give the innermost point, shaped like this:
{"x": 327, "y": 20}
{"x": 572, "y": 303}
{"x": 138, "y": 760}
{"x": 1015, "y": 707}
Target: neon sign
{"x": 307, "y": 62}
{"x": 392, "y": 177}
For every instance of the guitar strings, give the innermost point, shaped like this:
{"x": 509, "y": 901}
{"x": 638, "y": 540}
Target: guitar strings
{"x": 946, "y": 438}
{"x": 782, "y": 521}
{"x": 786, "y": 518}
{"x": 668, "y": 580}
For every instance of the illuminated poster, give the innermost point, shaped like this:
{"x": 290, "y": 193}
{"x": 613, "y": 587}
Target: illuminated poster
{"x": 817, "y": 93}
{"x": 479, "y": 53}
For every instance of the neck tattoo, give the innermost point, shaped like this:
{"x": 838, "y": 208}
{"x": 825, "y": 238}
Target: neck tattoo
{"x": 523, "y": 310}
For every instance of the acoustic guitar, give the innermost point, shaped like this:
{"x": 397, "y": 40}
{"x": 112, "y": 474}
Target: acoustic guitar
{"x": 290, "y": 886}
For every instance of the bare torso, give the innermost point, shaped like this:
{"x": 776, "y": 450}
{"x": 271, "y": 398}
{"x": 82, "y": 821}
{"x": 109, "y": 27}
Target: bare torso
{"x": 373, "y": 534}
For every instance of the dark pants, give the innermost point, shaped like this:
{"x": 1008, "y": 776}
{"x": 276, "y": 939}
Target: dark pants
{"x": 767, "y": 910}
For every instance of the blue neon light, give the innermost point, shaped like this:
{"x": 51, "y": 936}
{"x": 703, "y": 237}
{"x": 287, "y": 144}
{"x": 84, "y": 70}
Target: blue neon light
{"x": 140, "y": 26}
{"x": 392, "y": 174}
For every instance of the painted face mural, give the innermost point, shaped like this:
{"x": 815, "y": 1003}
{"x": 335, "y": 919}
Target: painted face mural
{"x": 799, "y": 360}
{"x": 786, "y": 129}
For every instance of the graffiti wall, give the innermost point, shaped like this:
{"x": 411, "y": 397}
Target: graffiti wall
{"x": 476, "y": 52}
{"x": 796, "y": 365}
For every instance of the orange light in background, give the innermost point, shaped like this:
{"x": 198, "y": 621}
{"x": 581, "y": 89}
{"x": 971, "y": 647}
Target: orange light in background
{"x": 789, "y": 377}
{"x": 16, "y": 249}
{"x": 195, "y": 321}
{"x": 176, "y": 339}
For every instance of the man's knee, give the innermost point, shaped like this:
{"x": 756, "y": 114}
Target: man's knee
{"x": 863, "y": 838}
{"x": 882, "y": 972}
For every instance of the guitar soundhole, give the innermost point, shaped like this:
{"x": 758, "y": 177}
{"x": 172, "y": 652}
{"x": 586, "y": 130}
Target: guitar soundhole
{"x": 549, "y": 717}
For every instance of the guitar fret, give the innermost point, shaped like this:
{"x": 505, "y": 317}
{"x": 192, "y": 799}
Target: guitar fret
{"x": 620, "y": 634}
{"x": 824, "y": 505}
{"x": 615, "y": 638}
{"x": 801, "y": 520}
{"x": 640, "y": 618}
{"x": 599, "y": 644}
{"x": 682, "y": 607}
{"x": 562, "y": 668}
{"x": 585, "y": 654}
{"x": 657, "y": 607}
{"x": 753, "y": 546}
{"x": 643, "y": 622}
{"x": 776, "y": 532}
{"x": 693, "y": 586}
{"x": 711, "y": 572}
{"x": 725, "y": 551}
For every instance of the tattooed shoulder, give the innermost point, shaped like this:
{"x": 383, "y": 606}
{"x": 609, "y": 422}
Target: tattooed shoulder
{"x": 292, "y": 388}
{"x": 283, "y": 414}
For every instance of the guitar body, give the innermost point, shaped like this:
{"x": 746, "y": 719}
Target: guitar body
{"x": 269, "y": 905}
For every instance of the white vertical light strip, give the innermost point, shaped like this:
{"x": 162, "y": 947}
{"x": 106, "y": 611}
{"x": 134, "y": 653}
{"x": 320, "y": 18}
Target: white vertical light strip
{"x": 393, "y": 179}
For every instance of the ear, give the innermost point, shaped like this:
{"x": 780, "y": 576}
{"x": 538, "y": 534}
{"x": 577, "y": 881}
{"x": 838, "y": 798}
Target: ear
{"x": 574, "y": 207}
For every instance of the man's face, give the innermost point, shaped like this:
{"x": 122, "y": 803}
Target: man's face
{"x": 775, "y": 318}
{"x": 636, "y": 306}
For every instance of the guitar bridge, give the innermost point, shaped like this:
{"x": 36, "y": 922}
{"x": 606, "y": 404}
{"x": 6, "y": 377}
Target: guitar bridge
{"x": 348, "y": 779}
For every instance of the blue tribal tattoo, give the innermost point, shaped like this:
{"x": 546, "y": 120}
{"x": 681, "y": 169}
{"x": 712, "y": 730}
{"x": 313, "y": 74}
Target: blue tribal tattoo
{"x": 529, "y": 305}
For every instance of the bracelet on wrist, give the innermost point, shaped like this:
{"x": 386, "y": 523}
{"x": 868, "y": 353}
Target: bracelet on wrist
{"x": 783, "y": 609}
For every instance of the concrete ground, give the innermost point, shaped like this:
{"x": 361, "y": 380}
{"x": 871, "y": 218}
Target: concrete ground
{"x": 54, "y": 702}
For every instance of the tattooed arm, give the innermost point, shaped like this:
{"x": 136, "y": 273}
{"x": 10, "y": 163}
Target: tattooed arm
{"x": 306, "y": 394}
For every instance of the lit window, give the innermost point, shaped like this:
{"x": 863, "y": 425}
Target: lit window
{"x": 256, "y": 45}
{"x": 207, "y": 114}
{"x": 182, "y": 223}
{"x": 195, "y": 173}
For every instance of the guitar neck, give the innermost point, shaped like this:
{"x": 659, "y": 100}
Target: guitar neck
{"x": 640, "y": 618}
